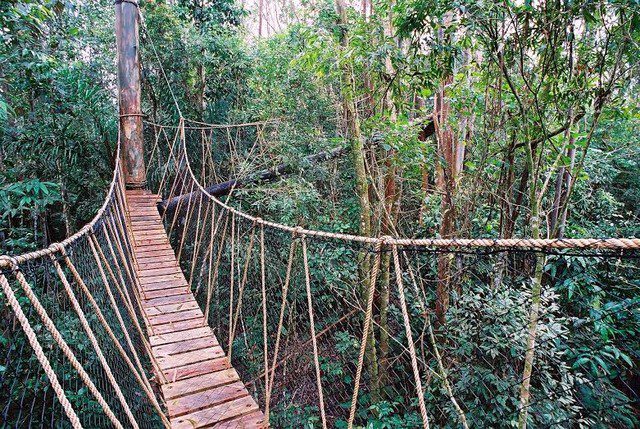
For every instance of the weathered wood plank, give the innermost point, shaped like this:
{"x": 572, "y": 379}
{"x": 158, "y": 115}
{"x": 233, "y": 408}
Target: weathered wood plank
{"x": 254, "y": 420}
{"x": 206, "y": 399}
{"x": 163, "y": 300}
{"x": 195, "y": 369}
{"x": 165, "y": 292}
{"x": 182, "y": 346}
{"x": 179, "y": 316}
{"x": 158, "y": 340}
{"x": 191, "y": 357}
{"x": 171, "y": 308}
{"x": 181, "y": 325}
{"x": 219, "y": 413}
{"x": 201, "y": 382}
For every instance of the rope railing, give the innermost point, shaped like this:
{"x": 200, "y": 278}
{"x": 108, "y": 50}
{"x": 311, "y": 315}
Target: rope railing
{"x": 446, "y": 243}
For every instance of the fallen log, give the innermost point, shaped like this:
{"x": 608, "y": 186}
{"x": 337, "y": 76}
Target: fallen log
{"x": 425, "y": 124}
{"x": 263, "y": 176}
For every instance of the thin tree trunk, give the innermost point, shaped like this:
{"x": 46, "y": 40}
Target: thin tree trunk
{"x": 362, "y": 187}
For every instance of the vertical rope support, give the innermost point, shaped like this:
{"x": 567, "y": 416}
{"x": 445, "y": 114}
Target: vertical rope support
{"x": 92, "y": 338}
{"x": 263, "y": 287}
{"x": 187, "y": 221}
{"x": 407, "y": 328}
{"x": 199, "y": 241}
{"x": 365, "y": 330}
{"x": 283, "y": 306}
{"x": 243, "y": 282}
{"x": 210, "y": 281}
{"x": 316, "y": 359}
{"x": 66, "y": 350}
{"x": 232, "y": 273}
{"x": 37, "y": 349}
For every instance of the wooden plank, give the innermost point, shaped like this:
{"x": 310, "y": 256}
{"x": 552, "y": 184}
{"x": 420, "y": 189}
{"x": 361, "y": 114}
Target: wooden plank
{"x": 195, "y": 369}
{"x": 176, "y": 317}
{"x": 219, "y": 413}
{"x": 187, "y": 358}
{"x": 165, "y": 285}
{"x": 156, "y": 272}
{"x": 201, "y": 382}
{"x": 158, "y": 340}
{"x": 206, "y": 399}
{"x": 171, "y": 308}
{"x": 185, "y": 345}
{"x": 182, "y": 325}
{"x": 254, "y": 420}
{"x": 165, "y": 292}
{"x": 148, "y": 242}
{"x": 175, "y": 299}
{"x": 147, "y": 265}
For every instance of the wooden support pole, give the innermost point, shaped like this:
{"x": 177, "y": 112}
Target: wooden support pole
{"x": 129, "y": 94}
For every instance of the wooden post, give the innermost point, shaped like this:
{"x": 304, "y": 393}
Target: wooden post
{"x": 131, "y": 136}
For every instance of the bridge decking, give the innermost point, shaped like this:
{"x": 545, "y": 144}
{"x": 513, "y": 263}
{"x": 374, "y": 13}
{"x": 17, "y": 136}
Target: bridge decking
{"x": 202, "y": 389}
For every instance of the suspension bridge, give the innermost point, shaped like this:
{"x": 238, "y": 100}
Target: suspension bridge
{"x": 203, "y": 315}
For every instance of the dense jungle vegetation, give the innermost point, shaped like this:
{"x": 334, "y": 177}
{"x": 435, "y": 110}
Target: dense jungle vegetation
{"x": 457, "y": 119}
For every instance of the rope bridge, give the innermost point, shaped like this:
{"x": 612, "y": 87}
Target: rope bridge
{"x": 205, "y": 316}
{"x": 173, "y": 308}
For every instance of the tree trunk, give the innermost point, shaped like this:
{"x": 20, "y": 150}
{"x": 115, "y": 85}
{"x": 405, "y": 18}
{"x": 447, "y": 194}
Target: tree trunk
{"x": 354, "y": 134}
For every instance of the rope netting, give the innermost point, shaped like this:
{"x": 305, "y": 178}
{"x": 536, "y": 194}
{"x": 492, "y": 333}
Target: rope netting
{"x": 73, "y": 350}
{"x": 335, "y": 330}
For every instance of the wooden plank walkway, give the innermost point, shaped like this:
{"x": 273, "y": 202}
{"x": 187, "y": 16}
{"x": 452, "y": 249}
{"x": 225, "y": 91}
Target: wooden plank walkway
{"x": 202, "y": 389}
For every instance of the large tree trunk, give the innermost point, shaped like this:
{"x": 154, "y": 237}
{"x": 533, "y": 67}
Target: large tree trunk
{"x": 446, "y": 172}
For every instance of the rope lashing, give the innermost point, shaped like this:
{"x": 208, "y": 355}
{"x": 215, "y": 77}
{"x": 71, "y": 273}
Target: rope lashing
{"x": 133, "y": 2}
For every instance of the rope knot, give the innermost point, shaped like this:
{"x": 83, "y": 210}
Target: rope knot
{"x": 8, "y": 262}
{"x": 298, "y": 231}
{"x": 385, "y": 240}
{"x": 57, "y": 248}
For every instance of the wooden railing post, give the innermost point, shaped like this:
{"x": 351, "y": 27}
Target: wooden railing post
{"x": 131, "y": 136}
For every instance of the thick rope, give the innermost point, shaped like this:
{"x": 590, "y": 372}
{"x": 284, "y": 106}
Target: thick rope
{"x": 442, "y": 372}
{"x": 199, "y": 241}
{"x": 365, "y": 331}
{"x": 37, "y": 349}
{"x": 283, "y": 305}
{"x": 263, "y": 287}
{"x": 316, "y": 358}
{"x": 243, "y": 283}
{"x": 407, "y": 328}
{"x": 214, "y": 281}
{"x": 66, "y": 350}
{"x": 92, "y": 339}
{"x": 232, "y": 273}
